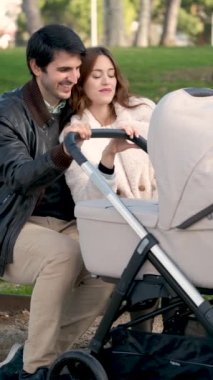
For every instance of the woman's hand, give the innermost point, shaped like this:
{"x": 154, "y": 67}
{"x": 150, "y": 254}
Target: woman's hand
{"x": 118, "y": 145}
{"x": 83, "y": 129}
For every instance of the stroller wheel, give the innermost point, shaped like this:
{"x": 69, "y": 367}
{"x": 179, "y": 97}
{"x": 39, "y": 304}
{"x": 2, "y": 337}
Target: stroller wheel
{"x": 76, "y": 365}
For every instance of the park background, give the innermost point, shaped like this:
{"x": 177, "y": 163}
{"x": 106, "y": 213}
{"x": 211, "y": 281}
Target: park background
{"x": 178, "y": 55}
{"x": 160, "y": 45}
{"x": 113, "y": 23}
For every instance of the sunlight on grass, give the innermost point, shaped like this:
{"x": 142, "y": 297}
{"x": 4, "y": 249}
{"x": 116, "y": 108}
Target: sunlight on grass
{"x": 8, "y": 288}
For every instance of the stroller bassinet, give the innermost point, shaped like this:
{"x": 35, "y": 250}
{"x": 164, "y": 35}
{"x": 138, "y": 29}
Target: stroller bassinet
{"x": 155, "y": 249}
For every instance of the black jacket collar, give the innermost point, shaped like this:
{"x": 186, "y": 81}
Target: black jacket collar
{"x": 35, "y": 103}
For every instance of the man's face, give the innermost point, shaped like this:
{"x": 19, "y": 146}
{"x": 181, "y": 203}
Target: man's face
{"x": 59, "y": 77}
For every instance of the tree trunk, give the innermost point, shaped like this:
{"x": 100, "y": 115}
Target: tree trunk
{"x": 170, "y": 23}
{"x": 33, "y": 15}
{"x": 142, "y": 37}
{"x": 113, "y": 23}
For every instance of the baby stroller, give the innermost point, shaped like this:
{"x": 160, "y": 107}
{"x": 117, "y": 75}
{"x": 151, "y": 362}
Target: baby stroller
{"x": 153, "y": 251}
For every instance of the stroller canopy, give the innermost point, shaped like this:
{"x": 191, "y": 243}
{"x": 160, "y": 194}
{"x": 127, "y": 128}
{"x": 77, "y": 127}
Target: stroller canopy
{"x": 180, "y": 146}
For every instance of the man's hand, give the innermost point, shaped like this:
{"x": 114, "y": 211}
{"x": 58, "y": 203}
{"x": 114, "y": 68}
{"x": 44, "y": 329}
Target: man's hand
{"x": 83, "y": 129}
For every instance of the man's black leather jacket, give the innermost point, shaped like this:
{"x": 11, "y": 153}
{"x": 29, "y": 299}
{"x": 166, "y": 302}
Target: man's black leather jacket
{"x": 30, "y": 160}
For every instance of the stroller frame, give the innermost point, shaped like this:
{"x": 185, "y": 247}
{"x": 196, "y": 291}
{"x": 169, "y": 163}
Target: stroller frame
{"x": 148, "y": 248}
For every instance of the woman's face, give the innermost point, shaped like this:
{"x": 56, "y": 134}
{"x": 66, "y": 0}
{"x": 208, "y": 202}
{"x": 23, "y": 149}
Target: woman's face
{"x": 101, "y": 83}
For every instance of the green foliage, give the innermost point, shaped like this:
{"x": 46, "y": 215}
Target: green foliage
{"x": 75, "y": 14}
{"x": 190, "y": 24}
{"x": 194, "y": 17}
{"x": 208, "y": 3}
{"x": 204, "y": 4}
{"x": 130, "y": 15}
{"x": 158, "y": 10}
{"x": 55, "y": 11}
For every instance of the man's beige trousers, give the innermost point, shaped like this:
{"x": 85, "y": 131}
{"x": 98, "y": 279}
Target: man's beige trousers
{"x": 65, "y": 298}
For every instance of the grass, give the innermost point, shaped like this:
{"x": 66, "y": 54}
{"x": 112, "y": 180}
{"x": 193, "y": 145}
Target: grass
{"x": 152, "y": 72}
{"x": 8, "y": 288}
{"x": 14, "y": 71}
{"x": 155, "y": 71}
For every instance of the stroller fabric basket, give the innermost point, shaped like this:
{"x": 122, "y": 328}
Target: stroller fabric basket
{"x": 149, "y": 356}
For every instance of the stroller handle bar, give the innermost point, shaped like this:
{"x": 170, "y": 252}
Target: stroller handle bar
{"x": 72, "y": 138}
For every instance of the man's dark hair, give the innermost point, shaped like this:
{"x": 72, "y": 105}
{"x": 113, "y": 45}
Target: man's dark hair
{"x": 51, "y": 38}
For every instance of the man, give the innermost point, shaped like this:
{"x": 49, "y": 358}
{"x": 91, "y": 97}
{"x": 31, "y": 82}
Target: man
{"x": 36, "y": 208}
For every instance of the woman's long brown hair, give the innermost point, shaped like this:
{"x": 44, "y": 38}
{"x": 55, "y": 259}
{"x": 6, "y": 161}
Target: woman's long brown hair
{"x": 79, "y": 100}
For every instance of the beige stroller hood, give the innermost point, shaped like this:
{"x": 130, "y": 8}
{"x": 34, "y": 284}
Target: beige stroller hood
{"x": 180, "y": 146}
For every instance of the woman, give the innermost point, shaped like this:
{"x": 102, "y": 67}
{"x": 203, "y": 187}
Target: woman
{"x": 102, "y": 99}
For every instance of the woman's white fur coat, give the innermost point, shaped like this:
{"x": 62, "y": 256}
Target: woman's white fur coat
{"x": 134, "y": 175}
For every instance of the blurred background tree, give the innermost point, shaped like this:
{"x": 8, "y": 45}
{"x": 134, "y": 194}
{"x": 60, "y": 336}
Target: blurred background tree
{"x": 142, "y": 33}
{"x": 33, "y": 15}
{"x": 113, "y": 23}
{"x": 119, "y": 23}
{"x": 172, "y": 10}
